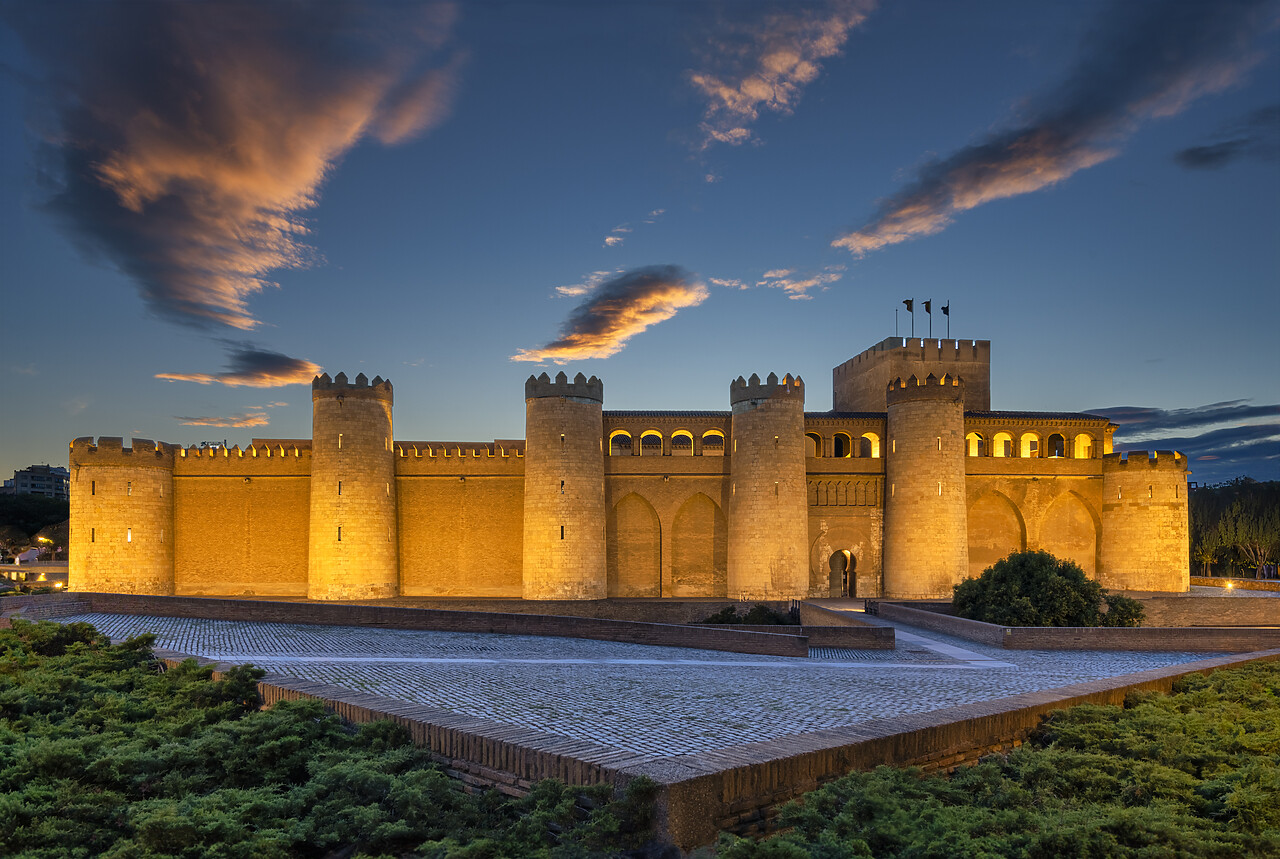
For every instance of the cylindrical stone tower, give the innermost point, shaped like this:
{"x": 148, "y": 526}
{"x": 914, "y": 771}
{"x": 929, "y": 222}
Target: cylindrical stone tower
{"x": 1145, "y": 545}
{"x": 353, "y": 549}
{"x": 926, "y": 551}
{"x": 564, "y": 514}
{"x": 121, "y": 517}
{"x": 768, "y": 502}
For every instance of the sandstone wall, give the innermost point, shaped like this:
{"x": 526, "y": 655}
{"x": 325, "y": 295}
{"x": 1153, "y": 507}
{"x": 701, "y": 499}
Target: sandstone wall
{"x": 858, "y": 385}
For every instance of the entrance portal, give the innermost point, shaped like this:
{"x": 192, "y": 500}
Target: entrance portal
{"x": 842, "y": 582}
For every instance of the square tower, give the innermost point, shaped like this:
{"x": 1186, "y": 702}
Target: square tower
{"x": 859, "y": 384}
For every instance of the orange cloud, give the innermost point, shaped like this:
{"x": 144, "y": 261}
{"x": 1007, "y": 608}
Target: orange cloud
{"x": 254, "y": 368}
{"x": 1147, "y": 60}
{"x": 193, "y": 136}
{"x": 617, "y": 310}
{"x": 774, "y": 62}
{"x": 248, "y": 419}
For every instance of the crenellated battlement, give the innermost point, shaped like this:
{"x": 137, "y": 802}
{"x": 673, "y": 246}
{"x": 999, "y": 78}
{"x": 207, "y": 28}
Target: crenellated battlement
{"x": 931, "y": 387}
{"x": 110, "y": 451}
{"x": 754, "y": 391}
{"x": 455, "y": 450}
{"x": 338, "y": 387}
{"x": 922, "y": 349}
{"x": 581, "y": 388}
{"x": 1162, "y": 460}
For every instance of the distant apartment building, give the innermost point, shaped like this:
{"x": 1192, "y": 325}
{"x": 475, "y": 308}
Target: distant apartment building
{"x": 46, "y": 480}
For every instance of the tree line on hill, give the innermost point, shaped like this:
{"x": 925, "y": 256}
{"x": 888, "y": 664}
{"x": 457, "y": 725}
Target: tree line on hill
{"x": 1235, "y": 528}
{"x": 34, "y": 522}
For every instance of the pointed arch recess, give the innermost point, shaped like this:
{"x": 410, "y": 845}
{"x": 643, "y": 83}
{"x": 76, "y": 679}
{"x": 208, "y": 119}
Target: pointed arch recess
{"x": 1069, "y": 529}
{"x": 633, "y": 549}
{"x": 699, "y": 549}
{"x": 996, "y": 528}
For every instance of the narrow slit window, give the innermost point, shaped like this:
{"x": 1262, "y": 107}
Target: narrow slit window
{"x": 388, "y": 490}
{"x": 1151, "y": 492}
{"x": 893, "y": 446}
{"x": 893, "y": 489}
{"x": 339, "y": 533}
{"x": 775, "y": 487}
{"x": 562, "y": 487}
{"x": 339, "y": 441}
{"x": 339, "y": 487}
{"x": 128, "y": 488}
{"x": 161, "y": 535}
{"x": 93, "y": 535}
{"x": 561, "y": 532}
{"x": 128, "y": 535}
{"x": 939, "y": 487}
{"x": 562, "y": 439}
{"x": 93, "y": 487}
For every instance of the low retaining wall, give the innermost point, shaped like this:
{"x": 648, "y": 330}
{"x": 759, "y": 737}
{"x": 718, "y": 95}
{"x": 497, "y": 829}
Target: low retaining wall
{"x": 1211, "y": 611}
{"x": 1192, "y": 639}
{"x": 392, "y": 617}
{"x": 737, "y": 788}
{"x": 848, "y": 637}
{"x": 1237, "y": 584}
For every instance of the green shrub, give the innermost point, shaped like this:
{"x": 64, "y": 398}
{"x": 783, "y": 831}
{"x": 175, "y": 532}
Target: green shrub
{"x": 105, "y": 753}
{"x": 1190, "y": 774}
{"x": 759, "y": 615}
{"x": 1037, "y": 589}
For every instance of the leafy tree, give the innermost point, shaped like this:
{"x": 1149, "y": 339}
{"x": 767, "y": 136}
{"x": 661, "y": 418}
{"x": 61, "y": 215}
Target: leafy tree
{"x": 1037, "y": 589}
{"x": 1237, "y": 522}
{"x": 13, "y": 540}
{"x": 30, "y": 513}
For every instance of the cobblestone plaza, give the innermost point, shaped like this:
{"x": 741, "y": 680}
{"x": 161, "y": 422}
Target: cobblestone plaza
{"x": 653, "y": 701}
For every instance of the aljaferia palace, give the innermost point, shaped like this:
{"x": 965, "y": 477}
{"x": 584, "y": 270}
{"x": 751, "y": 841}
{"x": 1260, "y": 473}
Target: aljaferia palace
{"x": 911, "y": 483}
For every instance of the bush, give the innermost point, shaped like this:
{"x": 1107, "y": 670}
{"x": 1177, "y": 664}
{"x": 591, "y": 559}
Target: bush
{"x": 1037, "y": 589}
{"x": 759, "y": 615}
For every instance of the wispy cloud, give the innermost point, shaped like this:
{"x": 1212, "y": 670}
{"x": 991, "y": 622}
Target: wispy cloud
{"x": 765, "y": 66}
{"x": 797, "y": 287}
{"x": 1254, "y": 136}
{"x": 728, "y": 282}
{"x": 1236, "y": 438}
{"x": 618, "y": 309}
{"x": 253, "y": 368}
{"x": 653, "y": 216}
{"x": 247, "y": 419}
{"x": 1145, "y": 59}
{"x": 616, "y": 236}
{"x": 588, "y": 285}
{"x": 190, "y": 138}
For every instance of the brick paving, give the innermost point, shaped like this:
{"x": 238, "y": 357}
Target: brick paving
{"x": 659, "y": 701}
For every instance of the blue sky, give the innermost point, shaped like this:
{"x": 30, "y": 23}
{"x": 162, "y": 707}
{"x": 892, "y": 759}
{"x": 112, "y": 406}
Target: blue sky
{"x": 204, "y": 203}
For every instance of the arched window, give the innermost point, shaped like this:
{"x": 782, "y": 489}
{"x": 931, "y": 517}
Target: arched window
{"x": 1029, "y": 445}
{"x": 1083, "y": 446}
{"x": 1056, "y": 445}
{"x": 620, "y": 443}
{"x": 713, "y": 443}
{"x": 841, "y": 445}
{"x": 975, "y": 444}
{"x": 869, "y": 445}
{"x": 1002, "y": 444}
{"x": 682, "y": 443}
{"x": 651, "y": 443}
{"x": 812, "y": 444}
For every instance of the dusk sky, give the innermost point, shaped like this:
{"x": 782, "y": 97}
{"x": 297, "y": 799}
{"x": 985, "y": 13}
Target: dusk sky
{"x": 205, "y": 204}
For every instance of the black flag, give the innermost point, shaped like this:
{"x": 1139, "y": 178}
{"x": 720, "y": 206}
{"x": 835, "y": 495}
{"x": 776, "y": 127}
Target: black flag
{"x": 946, "y": 309}
{"x": 910, "y": 303}
{"x": 927, "y": 307}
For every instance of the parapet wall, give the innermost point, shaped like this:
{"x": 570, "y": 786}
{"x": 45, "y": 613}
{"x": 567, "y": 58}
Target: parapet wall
{"x": 580, "y": 388}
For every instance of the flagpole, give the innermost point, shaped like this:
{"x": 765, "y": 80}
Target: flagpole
{"x": 895, "y": 322}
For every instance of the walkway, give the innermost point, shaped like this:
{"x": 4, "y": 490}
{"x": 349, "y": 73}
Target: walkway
{"x": 658, "y": 701}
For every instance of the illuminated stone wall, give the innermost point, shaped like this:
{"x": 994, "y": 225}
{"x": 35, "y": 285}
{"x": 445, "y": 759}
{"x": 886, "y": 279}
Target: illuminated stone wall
{"x": 755, "y": 502}
{"x": 1144, "y": 522}
{"x": 925, "y": 533}
{"x": 121, "y": 502}
{"x": 564, "y": 512}
{"x": 353, "y": 548}
{"x": 240, "y": 520}
{"x": 768, "y": 513}
{"x": 858, "y": 385}
{"x": 461, "y": 509}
